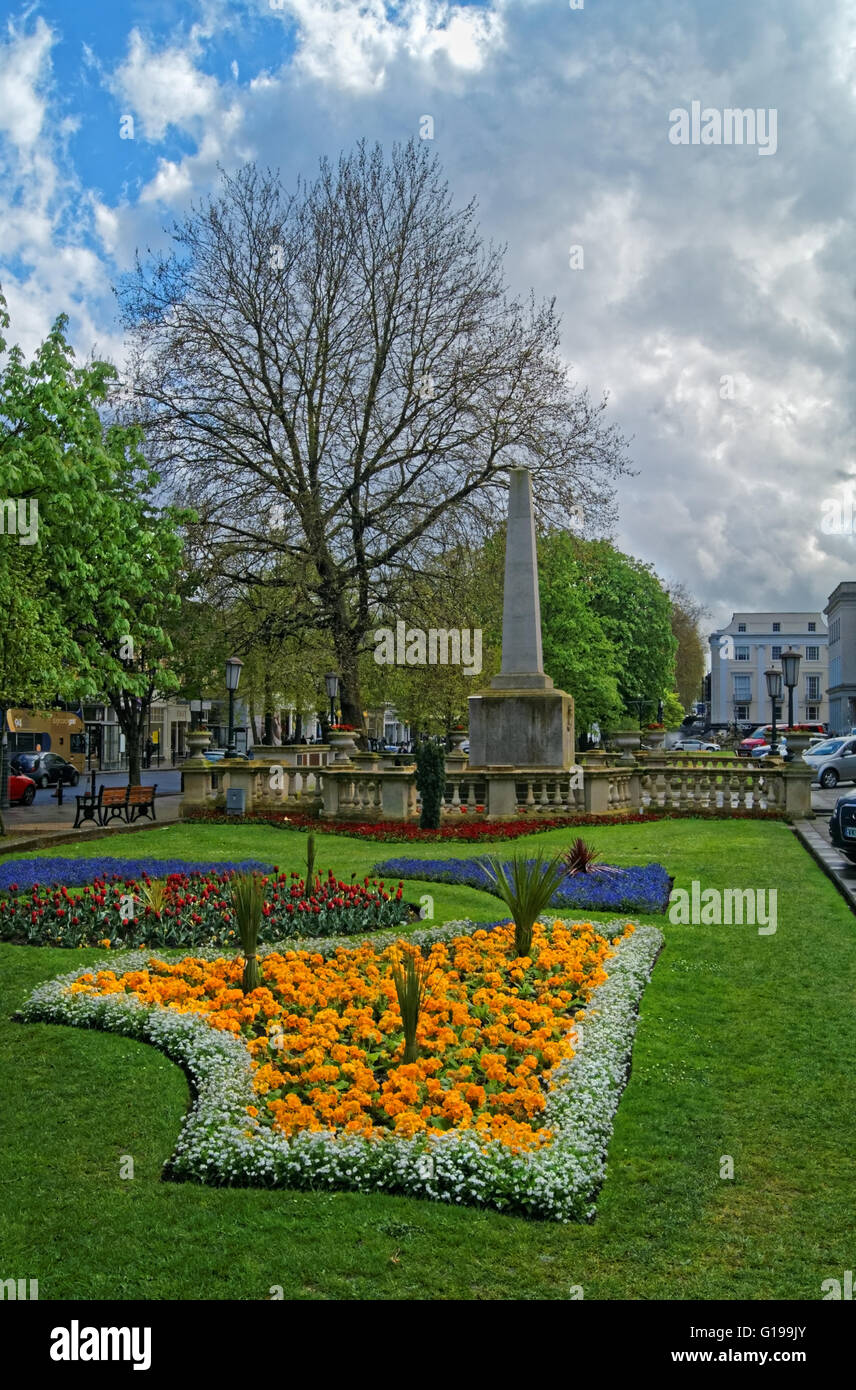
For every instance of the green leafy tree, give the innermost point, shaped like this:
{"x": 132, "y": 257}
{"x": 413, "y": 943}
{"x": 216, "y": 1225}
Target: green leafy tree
{"x": 89, "y": 595}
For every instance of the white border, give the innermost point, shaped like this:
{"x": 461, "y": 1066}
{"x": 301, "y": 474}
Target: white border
{"x": 219, "y": 1143}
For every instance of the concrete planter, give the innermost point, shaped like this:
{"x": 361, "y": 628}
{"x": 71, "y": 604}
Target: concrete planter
{"x": 197, "y": 741}
{"x": 342, "y": 746}
{"x": 625, "y": 739}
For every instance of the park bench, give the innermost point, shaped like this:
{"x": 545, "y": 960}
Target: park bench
{"x": 126, "y": 803}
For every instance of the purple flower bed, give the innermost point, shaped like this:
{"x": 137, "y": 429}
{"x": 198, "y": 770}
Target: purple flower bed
{"x": 641, "y": 888}
{"x": 19, "y": 875}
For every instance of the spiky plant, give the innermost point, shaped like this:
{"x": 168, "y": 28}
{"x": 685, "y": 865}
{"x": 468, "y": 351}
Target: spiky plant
{"x": 248, "y": 895}
{"x": 310, "y": 862}
{"x": 526, "y": 886}
{"x": 411, "y": 988}
{"x": 583, "y": 859}
{"x": 153, "y": 894}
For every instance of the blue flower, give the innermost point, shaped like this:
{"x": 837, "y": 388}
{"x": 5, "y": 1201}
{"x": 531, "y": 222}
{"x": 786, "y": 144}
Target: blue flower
{"x": 641, "y": 888}
{"x": 74, "y": 873}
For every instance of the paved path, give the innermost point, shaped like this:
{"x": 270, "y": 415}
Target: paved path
{"x": 46, "y": 823}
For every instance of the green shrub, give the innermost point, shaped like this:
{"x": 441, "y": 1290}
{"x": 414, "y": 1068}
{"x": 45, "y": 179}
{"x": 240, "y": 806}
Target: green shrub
{"x": 431, "y": 782}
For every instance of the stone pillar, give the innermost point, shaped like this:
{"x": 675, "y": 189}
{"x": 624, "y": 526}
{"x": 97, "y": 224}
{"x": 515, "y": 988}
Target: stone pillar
{"x": 397, "y": 793}
{"x": 521, "y": 720}
{"x": 596, "y": 790}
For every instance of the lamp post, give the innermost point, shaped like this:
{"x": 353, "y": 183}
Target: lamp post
{"x": 331, "y": 681}
{"x": 773, "y": 677}
{"x": 233, "y": 677}
{"x": 791, "y": 675}
{"x": 195, "y": 713}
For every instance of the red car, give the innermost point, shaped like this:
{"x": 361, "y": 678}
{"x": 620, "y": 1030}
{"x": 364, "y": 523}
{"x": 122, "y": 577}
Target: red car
{"x": 762, "y": 736}
{"x": 21, "y": 789}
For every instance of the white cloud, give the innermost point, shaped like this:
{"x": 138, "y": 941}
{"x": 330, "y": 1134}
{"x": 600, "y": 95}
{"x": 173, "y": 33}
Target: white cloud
{"x": 164, "y": 88}
{"x": 351, "y": 44}
{"x": 24, "y": 68}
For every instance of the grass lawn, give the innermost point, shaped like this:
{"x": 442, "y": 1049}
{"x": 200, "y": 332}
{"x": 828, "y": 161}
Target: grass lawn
{"x": 745, "y": 1048}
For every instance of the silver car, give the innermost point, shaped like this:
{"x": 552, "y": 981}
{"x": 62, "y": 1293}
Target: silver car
{"x": 833, "y": 761}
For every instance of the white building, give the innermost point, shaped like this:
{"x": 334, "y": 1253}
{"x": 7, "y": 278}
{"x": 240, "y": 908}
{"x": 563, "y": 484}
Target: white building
{"x": 742, "y": 651}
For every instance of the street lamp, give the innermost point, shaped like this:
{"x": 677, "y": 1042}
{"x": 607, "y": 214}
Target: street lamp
{"x": 331, "y": 680}
{"x": 196, "y": 713}
{"x": 773, "y": 677}
{"x": 791, "y": 675}
{"x": 233, "y": 676}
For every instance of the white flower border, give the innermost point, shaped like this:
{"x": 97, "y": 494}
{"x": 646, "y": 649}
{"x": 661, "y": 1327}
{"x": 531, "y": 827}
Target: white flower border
{"x": 219, "y": 1143}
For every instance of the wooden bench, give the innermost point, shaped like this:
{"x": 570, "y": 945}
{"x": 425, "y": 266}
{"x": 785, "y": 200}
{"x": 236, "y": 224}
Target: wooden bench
{"x": 126, "y": 803}
{"x": 141, "y": 802}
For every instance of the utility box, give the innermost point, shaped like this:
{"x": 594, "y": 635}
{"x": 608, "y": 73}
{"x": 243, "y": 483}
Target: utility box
{"x": 236, "y": 801}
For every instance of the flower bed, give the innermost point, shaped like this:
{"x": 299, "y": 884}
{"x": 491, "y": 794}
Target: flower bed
{"x": 637, "y": 889}
{"x": 197, "y": 911}
{"x": 23, "y": 874}
{"x": 474, "y": 829}
{"x": 507, "y": 1135}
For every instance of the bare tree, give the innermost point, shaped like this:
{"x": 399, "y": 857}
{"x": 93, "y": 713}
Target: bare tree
{"x": 337, "y": 378}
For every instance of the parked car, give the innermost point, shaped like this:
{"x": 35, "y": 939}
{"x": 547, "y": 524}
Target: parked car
{"x": 842, "y": 825}
{"x": 833, "y": 761}
{"x": 214, "y": 754}
{"x": 782, "y": 747}
{"x": 694, "y": 745}
{"x": 21, "y": 789}
{"x": 46, "y": 769}
{"x": 764, "y": 732}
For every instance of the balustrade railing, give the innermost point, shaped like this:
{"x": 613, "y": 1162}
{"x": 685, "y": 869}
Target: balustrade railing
{"x": 688, "y": 783}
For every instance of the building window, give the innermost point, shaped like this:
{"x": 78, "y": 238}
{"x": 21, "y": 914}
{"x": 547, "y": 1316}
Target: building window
{"x": 743, "y": 687}
{"x": 812, "y": 687}
{"x": 777, "y": 627}
{"x": 741, "y": 711}
{"x": 811, "y": 712}
{"x": 812, "y": 627}
{"x": 741, "y": 627}
{"x": 812, "y": 653}
{"x": 776, "y": 653}
{"x": 834, "y": 630}
{"x": 741, "y": 653}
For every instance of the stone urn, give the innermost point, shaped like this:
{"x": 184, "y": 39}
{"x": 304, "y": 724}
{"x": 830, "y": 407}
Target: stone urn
{"x": 342, "y": 745}
{"x": 197, "y": 741}
{"x": 625, "y": 739}
{"x": 655, "y": 738}
{"x": 457, "y": 738}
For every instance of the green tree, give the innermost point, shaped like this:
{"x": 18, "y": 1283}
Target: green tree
{"x": 85, "y": 600}
{"x": 686, "y": 616}
{"x": 339, "y": 374}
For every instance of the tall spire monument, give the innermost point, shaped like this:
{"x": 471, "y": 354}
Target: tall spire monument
{"x": 522, "y": 722}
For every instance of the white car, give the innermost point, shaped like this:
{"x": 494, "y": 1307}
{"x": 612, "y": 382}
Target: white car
{"x": 694, "y": 745}
{"x": 834, "y": 761}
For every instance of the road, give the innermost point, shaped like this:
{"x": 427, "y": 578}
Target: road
{"x": 44, "y": 810}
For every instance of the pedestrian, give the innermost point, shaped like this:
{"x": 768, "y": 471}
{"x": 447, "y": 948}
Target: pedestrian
{"x": 150, "y": 748}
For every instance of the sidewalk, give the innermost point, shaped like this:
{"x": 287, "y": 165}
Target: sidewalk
{"x": 830, "y": 859}
{"x": 53, "y": 825}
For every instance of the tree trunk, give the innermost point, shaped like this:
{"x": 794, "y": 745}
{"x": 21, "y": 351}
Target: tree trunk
{"x": 350, "y": 699}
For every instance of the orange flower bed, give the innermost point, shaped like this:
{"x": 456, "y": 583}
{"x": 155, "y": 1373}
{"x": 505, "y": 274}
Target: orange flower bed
{"x": 326, "y": 1038}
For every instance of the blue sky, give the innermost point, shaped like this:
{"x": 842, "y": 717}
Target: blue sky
{"x": 703, "y": 264}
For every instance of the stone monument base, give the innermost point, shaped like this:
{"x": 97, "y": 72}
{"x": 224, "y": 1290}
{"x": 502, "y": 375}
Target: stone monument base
{"x": 524, "y": 727}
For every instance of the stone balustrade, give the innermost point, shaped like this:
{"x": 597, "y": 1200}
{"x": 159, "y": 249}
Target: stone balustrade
{"x": 369, "y": 788}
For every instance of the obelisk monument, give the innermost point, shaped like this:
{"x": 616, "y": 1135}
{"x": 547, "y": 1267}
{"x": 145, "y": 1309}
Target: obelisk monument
{"x": 521, "y": 721}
